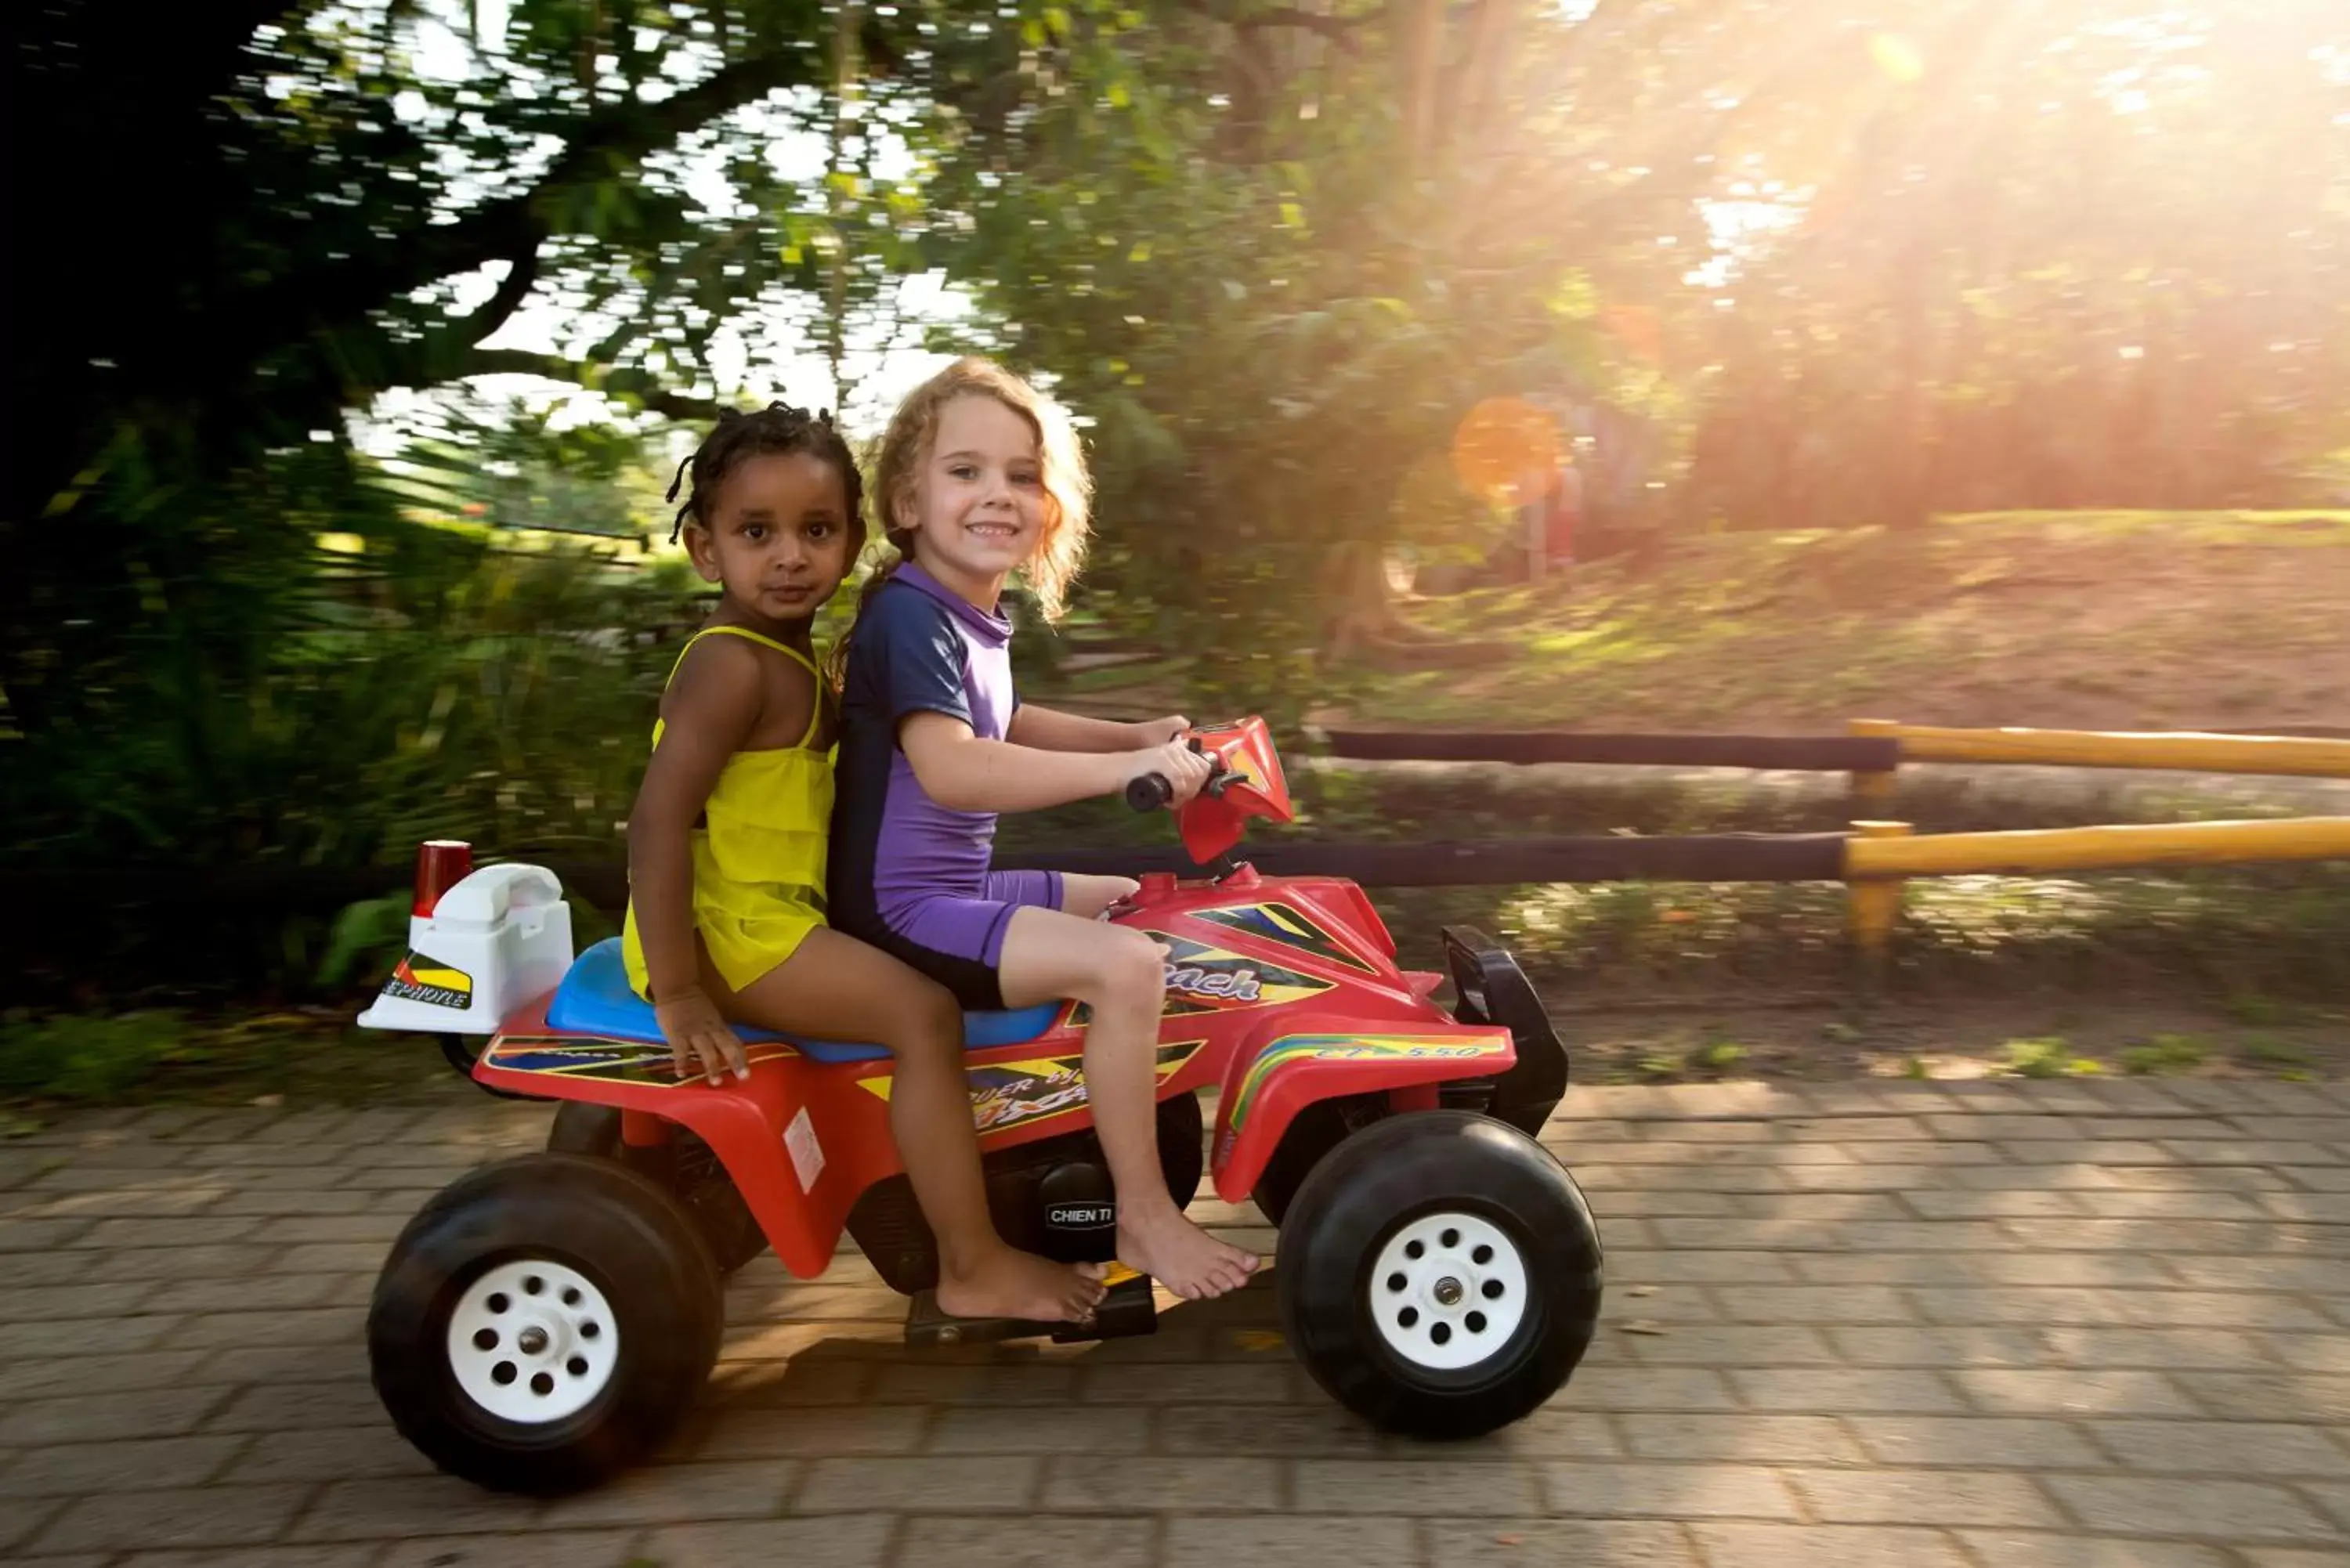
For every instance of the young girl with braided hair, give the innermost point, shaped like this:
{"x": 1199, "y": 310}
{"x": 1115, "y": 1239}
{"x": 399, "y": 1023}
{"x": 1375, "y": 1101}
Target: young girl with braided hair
{"x": 978, "y": 479}
{"x": 727, "y": 846}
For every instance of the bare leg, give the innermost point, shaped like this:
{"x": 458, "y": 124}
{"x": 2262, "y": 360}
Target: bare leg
{"x": 1085, "y": 896}
{"x": 1121, "y": 975}
{"x": 836, "y": 988}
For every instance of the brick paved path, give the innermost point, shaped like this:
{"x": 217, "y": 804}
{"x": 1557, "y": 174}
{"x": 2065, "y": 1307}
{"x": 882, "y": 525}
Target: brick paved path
{"x": 2065, "y": 1324}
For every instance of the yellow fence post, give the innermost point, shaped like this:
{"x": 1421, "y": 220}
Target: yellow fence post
{"x": 1874, "y": 902}
{"x": 1872, "y": 789}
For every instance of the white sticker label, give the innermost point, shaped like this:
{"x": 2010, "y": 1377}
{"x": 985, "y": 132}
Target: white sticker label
{"x": 807, "y": 1155}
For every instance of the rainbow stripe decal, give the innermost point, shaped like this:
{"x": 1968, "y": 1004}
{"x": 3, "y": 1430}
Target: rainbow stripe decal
{"x": 605, "y": 1061}
{"x": 1007, "y": 1094}
{"x": 1287, "y": 924}
{"x": 1292, "y": 1048}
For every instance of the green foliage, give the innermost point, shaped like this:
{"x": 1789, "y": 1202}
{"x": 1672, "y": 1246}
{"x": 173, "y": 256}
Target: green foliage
{"x": 1720, "y": 1057}
{"x": 2273, "y": 1053}
{"x": 2165, "y": 1053}
{"x": 364, "y": 938}
{"x": 77, "y": 1058}
{"x": 2047, "y": 1058}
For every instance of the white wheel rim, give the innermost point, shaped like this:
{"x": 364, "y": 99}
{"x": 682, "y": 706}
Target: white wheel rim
{"x": 1448, "y": 1291}
{"x": 532, "y": 1342}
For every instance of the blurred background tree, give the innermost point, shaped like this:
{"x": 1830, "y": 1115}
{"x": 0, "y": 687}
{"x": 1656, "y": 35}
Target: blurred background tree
{"x": 291, "y": 575}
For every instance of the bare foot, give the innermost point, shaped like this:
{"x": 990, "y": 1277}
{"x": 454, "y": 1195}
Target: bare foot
{"x": 1181, "y": 1256}
{"x": 1008, "y": 1283}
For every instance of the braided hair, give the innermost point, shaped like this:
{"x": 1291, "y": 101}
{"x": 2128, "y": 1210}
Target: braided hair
{"x": 777, "y": 428}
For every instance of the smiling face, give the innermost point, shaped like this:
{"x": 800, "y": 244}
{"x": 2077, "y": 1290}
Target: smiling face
{"x": 777, "y": 538}
{"x": 979, "y": 508}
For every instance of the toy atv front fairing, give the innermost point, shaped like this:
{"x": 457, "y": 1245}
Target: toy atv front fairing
{"x": 545, "y": 1320}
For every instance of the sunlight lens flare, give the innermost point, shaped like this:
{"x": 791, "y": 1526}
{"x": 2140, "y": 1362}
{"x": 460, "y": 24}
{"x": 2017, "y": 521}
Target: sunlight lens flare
{"x": 1897, "y": 57}
{"x": 1503, "y": 447}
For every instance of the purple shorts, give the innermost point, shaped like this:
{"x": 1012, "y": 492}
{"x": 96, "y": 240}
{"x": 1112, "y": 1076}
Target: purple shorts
{"x": 958, "y": 939}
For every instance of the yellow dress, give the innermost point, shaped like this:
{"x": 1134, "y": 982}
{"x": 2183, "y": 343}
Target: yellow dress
{"x": 759, "y": 859}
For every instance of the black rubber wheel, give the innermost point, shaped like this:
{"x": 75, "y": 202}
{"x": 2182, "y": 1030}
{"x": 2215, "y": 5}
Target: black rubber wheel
{"x": 584, "y": 1128}
{"x": 1182, "y": 1146}
{"x": 460, "y": 1057}
{"x": 1312, "y": 1133}
{"x": 1510, "y": 1252}
{"x": 687, "y": 1166}
{"x": 611, "y": 1244}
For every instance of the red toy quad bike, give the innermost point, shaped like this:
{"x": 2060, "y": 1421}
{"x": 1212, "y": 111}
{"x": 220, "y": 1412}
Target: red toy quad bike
{"x": 547, "y": 1319}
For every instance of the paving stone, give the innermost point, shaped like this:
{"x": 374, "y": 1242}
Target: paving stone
{"x": 99, "y": 1374}
{"x": 130, "y": 1465}
{"x": 1667, "y": 1491}
{"x": 275, "y": 1407}
{"x": 2232, "y": 1509}
{"x": 1255, "y": 1382}
{"x": 1823, "y": 1304}
{"x": 838, "y": 1540}
{"x": 1727, "y": 1545}
{"x": 2019, "y": 1305}
{"x": 1297, "y": 1432}
{"x": 539, "y": 1549}
{"x": 174, "y": 1516}
{"x": 79, "y": 1337}
{"x": 1627, "y": 1267}
{"x": 1944, "y": 1496}
{"x": 2209, "y": 1447}
{"x": 1553, "y": 1432}
{"x": 1836, "y": 1390}
{"x": 74, "y": 1303}
{"x": 360, "y": 1555}
{"x": 187, "y": 1230}
{"x": 2333, "y": 1498}
{"x": 1215, "y": 1542}
{"x": 1422, "y": 1485}
{"x": 2040, "y": 1549}
{"x": 2074, "y": 1393}
{"x": 104, "y": 1417}
{"x": 2327, "y": 1353}
{"x": 1578, "y": 1542}
{"x": 1189, "y": 1484}
{"x": 1982, "y": 1441}
{"x": 348, "y": 1453}
{"x": 1761, "y": 1439}
{"x": 934, "y": 1543}
{"x": 679, "y": 1494}
{"x": 1068, "y": 1429}
{"x": 1646, "y": 1388}
{"x": 931, "y": 1484}
{"x": 1719, "y": 1344}
{"x": 2169, "y": 1349}
{"x": 216, "y": 1260}
{"x": 339, "y": 1325}
{"x": 393, "y": 1507}
{"x": 927, "y": 1383}
{"x": 1941, "y": 1347}
{"x": 2265, "y": 1396}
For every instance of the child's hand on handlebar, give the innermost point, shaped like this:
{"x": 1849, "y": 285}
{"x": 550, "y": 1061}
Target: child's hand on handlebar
{"x": 696, "y": 1032}
{"x": 1184, "y": 769}
{"x": 1159, "y": 731}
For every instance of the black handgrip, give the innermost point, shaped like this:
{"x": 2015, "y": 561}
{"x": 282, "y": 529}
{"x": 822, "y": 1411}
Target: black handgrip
{"x": 1148, "y": 792}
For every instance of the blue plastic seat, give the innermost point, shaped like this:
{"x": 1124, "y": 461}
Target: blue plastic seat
{"x": 594, "y": 999}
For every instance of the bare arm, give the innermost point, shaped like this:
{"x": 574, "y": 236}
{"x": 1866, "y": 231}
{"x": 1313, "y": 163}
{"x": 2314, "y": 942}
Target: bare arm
{"x": 1050, "y": 730}
{"x": 964, "y": 773}
{"x": 710, "y": 711}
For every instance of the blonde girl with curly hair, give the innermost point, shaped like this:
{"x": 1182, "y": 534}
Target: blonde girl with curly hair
{"x": 977, "y": 478}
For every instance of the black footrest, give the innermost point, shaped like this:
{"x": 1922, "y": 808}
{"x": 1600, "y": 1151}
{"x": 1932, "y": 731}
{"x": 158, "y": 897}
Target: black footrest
{"x": 1125, "y": 1309}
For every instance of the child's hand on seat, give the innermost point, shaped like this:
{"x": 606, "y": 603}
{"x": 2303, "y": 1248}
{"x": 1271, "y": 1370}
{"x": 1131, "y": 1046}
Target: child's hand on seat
{"x": 695, "y": 1029}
